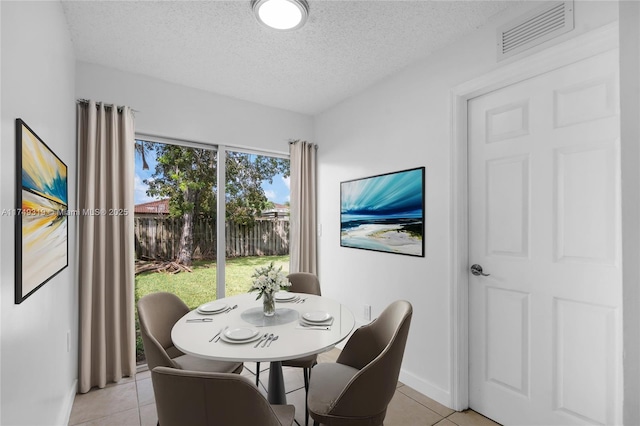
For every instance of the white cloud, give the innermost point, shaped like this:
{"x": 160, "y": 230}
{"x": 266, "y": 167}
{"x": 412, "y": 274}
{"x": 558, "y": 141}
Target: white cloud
{"x": 138, "y": 185}
{"x": 140, "y": 191}
{"x": 270, "y": 194}
{"x": 287, "y": 181}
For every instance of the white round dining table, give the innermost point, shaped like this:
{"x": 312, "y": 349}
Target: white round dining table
{"x": 193, "y": 333}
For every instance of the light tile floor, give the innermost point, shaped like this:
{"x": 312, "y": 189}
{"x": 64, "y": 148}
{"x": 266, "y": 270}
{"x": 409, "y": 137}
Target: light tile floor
{"x": 131, "y": 403}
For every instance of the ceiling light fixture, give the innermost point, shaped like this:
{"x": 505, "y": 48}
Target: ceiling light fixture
{"x": 281, "y": 14}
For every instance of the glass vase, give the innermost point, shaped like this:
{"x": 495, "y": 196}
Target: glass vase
{"x": 268, "y": 304}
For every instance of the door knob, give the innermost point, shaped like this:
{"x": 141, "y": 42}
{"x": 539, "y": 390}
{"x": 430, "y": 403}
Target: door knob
{"x": 477, "y": 270}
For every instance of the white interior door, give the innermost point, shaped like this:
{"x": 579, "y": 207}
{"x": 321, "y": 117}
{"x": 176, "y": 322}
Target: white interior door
{"x": 545, "y": 344}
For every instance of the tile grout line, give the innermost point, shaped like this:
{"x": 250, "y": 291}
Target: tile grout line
{"x": 138, "y": 403}
{"x": 94, "y": 389}
{"x": 415, "y": 400}
{"x": 100, "y": 418}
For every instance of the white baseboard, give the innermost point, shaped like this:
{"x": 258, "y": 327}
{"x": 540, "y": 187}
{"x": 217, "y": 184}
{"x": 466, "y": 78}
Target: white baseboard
{"x": 423, "y": 386}
{"x": 65, "y": 412}
{"x": 426, "y": 388}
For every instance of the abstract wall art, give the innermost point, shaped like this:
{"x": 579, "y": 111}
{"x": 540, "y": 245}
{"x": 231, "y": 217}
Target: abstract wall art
{"x": 41, "y": 213}
{"x": 384, "y": 212}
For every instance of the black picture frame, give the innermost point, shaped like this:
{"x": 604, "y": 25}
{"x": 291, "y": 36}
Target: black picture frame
{"x": 385, "y": 212}
{"x": 41, "y": 220}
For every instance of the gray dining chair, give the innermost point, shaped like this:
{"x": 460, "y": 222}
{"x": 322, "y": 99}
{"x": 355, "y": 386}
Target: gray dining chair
{"x": 157, "y": 313}
{"x": 308, "y": 283}
{"x": 206, "y": 399}
{"x": 357, "y": 388}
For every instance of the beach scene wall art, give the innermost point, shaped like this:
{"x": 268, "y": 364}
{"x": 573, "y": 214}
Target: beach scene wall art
{"x": 384, "y": 212}
{"x": 41, "y": 213}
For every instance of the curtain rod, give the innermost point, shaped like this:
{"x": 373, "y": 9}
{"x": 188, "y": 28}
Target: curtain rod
{"x": 86, "y": 101}
{"x": 208, "y": 145}
{"x": 314, "y": 144}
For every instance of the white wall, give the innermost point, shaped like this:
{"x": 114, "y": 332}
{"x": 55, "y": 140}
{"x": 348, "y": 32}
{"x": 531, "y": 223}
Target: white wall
{"x": 179, "y": 112}
{"x": 403, "y": 122}
{"x": 630, "y": 154}
{"x": 38, "y": 66}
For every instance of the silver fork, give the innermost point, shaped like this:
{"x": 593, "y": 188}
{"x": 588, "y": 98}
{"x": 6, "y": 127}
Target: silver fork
{"x": 261, "y": 339}
{"x": 273, "y": 340}
{"x": 268, "y": 340}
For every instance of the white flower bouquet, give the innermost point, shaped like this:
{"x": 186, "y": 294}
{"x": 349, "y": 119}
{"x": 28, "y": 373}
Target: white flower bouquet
{"x": 268, "y": 280}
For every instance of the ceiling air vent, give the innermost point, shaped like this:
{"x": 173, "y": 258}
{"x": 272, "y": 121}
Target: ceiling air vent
{"x": 536, "y": 27}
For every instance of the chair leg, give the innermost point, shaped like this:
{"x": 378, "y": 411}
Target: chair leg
{"x": 257, "y": 374}
{"x": 307, "y": 375}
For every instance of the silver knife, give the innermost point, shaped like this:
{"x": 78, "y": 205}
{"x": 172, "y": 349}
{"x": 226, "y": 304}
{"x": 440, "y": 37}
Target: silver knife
{"x": 315, "y": 327}
{"x": 200, "y": 320}
{"x": 217, "y": 334}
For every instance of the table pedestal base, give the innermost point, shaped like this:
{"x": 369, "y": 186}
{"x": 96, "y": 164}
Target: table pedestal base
{"x": 275, "y": 391}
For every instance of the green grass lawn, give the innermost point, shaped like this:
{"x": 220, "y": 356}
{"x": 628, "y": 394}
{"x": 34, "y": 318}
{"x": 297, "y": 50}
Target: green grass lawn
{"x": 199, "y": 286}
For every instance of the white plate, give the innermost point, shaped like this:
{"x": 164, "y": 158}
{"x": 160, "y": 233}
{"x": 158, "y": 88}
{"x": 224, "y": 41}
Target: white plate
{"x": 240, "y": 333}
{"x": 321, "y": 323}
{"x": 253, "y": 339}
{"x": 205, "y": 312}
{"x": 212, "y": 307}
{"x": 284, "y": 295}
{"x": 317, "y": 316}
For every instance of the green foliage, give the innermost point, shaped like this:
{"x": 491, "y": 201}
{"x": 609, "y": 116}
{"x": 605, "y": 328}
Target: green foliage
{"x": 244, "y": 193}
{"x": 188, "y": 178}
{"x": 181, "y": 169}
{"x": 184, "y": 175}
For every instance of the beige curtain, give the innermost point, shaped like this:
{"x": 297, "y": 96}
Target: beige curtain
{"x": 302, "y": 232}
{"x": 105, "y": 251}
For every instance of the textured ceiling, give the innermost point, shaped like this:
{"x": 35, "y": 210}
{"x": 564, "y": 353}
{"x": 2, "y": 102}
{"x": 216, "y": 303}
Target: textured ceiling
{"x": 219, "y": 47}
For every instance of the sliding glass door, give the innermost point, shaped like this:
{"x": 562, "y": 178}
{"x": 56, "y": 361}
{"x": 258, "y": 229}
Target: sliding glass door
{"x": 257, "y": 216}
{"x": 175, "y": 222}
{"x": 205, "y": 217}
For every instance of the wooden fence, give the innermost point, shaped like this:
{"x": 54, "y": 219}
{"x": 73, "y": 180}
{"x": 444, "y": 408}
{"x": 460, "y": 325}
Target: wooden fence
{"x": 159, "y": 238}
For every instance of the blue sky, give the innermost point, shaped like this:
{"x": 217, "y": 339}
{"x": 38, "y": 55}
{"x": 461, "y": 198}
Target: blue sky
{"x": 278, "y": 191}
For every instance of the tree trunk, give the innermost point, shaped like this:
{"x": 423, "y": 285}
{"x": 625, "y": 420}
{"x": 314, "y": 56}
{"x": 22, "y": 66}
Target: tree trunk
{"x": 185, "y": 253}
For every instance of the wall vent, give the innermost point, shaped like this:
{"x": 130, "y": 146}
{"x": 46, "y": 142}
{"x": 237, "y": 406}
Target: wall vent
{"x": 536, "y": 27}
